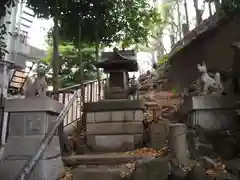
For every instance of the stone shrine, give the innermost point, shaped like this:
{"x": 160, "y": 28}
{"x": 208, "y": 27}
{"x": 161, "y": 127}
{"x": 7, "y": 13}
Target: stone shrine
{"x": 117, "y": 65}
{"x": 115, "y": 123}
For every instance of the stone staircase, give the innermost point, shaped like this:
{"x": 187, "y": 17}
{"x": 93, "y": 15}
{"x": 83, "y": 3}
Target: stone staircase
{"x": 115, "y": 136}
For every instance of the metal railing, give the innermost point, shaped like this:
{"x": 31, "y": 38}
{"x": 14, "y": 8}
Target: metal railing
{"x": 91, "y": 95}
{"x": 25, "y": 173}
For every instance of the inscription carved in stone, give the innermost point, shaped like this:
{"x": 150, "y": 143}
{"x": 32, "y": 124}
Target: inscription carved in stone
{"x": 35, "y": 125}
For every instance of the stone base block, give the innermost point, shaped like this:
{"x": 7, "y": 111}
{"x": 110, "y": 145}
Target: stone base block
{"x": 115, "y": 116}
{"x": 97, "y": 173}
{"x": 45, "y": 170}
{"x": 145, "y": 169}
{"x": 25, "y": 147}
{"x": 19, "y": 149}
{"x": 114, "y": 105}
{"x": 112, "y": 143}
{"x": 210, "y": 102}
{"x": 151, "y": 169}
{"x": 34, "y": 104}
{"x": 114, "y": 128}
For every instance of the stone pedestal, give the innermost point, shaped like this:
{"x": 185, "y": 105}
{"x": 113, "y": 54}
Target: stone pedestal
{"x": 212, "y": 111}
{"x": 29, "y": 121}
{"x": 114, "y": 125}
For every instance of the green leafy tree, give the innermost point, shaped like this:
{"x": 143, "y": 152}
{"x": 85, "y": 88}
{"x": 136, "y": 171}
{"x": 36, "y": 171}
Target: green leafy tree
{"x": 47, "y": 9}
{"x": 109, "y": 21}
{"x": 99, "y": 25}
{"x": 70, "y": 72}
{"x": 139, "y": 18}
{"x": 101, "y": 22}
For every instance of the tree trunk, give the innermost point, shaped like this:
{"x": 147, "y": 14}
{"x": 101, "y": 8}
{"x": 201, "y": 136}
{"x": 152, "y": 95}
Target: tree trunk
{"x": 55, "y": 60}
{"x": 210, "y": 8}
{"x": 186, "y": 14}
{"x": 179, "y": 21}
{"x": 217, "y": 6}
{"x": 81, "y": 62}
{"x": 55, "y": 79}
{"x": 172, "y": 40}
{"x": 97, "y": 47}
{"x": 198, "y": 12}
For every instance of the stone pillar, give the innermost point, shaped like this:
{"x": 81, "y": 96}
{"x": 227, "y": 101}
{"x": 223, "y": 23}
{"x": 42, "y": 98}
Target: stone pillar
{"x": 5, "y": 67}
{"x": 178, "y": 142}
{"x": 158, "y": 133}
{"x": 29, "y": 121}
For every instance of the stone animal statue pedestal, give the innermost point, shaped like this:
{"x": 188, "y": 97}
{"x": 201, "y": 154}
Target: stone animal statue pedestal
{"x": 29, "y": 121}
{"x": 215, "y": 121}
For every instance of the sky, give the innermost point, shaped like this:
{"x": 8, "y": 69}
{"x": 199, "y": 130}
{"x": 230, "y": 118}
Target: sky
{"x": 38, "y": 31}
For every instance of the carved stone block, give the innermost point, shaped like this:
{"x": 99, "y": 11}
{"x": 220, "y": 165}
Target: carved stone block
{"x": 29, "y": 120}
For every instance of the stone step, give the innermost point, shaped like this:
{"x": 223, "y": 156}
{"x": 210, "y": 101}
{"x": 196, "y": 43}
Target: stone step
{"x": 118, "y": 167}
{"x": 99, "y": 173}
{"x": 100, "y": 159}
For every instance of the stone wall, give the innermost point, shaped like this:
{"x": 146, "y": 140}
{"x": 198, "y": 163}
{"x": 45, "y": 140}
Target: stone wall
{"x": 114, "y": 130}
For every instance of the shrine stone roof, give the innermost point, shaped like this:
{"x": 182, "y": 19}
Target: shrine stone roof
{"x": 118, "y": 61}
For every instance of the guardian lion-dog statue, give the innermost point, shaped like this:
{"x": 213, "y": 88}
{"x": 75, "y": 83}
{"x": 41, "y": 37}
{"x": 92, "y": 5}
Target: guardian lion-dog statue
{"x": 35, "y": 87}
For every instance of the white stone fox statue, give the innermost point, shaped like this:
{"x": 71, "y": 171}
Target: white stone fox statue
{"x": 215, "y": 84}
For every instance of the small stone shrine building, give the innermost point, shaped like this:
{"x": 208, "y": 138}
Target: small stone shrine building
{"x": 115, "y": 122}
{"x": 116, "y": 65}
{"x": 211, "y": 42}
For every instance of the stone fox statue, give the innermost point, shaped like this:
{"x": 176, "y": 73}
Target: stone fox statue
{"x": 210, "y": 83}
{"x": 35, "y": 87}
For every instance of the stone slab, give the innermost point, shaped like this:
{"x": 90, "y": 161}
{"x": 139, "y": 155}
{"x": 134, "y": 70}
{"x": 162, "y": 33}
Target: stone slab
{"x": 45, "y": 169}
{"x": 34, "y": 104}
{"x": 210, "y": 102}
{"x": 102, "y": 117}
{"x": 215, "y": 119}
{"x": 145, "y": 169}
{"x": 25, "y": 147}
{"x": 158, "y": 128}
{"x": 118, "y": 116}
{"x": 115, "y": 116}
{"x": 111, "y": 143}
{"x": 114, "y": 105}
{"x": 138, "y": 115}
{"x": 130, "y": 115}
{"x": 151, "y": 169}
{"x": 30, "y": 123}
{"x": 98, "y": 173}
{"x": 100, "y": 159}
{"x": 115, "y": 128}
